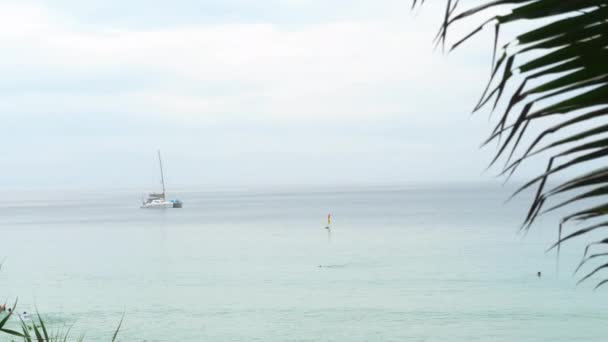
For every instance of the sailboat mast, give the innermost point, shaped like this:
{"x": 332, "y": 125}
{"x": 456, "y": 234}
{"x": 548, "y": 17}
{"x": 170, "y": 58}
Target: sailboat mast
{"x": 162, "y": 176}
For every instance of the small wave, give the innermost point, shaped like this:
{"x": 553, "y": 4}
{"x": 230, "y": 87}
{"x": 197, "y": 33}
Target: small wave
{"x": 334, "y": 266}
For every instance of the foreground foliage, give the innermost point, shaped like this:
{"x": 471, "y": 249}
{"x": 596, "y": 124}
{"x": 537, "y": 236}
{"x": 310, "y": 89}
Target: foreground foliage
{"x": 36, "y": 331}
{"x": 556, "y": 71}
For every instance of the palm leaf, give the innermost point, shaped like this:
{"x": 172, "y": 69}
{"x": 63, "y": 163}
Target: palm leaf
{"x": 118, "y": 328}
{"x": 5, "y": 319}
{"x": 43, "y": 327}
{"x": 566, "y": 56}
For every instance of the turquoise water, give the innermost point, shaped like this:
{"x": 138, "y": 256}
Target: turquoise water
{"x": 401, "y": 264}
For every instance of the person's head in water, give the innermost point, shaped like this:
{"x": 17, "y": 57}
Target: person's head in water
{"x": 538, "y": 274}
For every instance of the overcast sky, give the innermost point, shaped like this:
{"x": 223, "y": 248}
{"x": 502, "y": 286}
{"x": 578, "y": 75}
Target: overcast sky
{"x": 264, "y": 92}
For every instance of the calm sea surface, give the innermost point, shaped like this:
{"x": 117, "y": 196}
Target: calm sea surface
{"x": 400, "y": 264}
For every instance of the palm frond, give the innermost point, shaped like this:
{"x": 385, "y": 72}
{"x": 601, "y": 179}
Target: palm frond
{"x": 566, "y": 56}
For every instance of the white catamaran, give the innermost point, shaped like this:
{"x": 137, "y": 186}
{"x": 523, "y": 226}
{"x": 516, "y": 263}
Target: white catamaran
{"x": 158, "y": 200}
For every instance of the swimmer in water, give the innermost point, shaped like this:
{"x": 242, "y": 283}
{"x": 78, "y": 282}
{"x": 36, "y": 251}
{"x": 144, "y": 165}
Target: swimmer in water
{"x": 538, "y": 274}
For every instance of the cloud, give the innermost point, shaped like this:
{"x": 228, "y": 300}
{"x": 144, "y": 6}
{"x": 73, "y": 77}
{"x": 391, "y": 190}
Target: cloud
{"x": 210, "y": 72}
{"x": 249, "y": 96}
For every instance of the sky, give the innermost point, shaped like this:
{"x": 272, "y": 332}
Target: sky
{"x": 236, "y": 92}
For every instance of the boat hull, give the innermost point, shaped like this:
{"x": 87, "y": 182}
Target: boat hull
{"x": 157, "y": 205}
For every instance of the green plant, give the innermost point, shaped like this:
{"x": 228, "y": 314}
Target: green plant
{"x": 37, "y": 332}
{"x": 566, "y": 59}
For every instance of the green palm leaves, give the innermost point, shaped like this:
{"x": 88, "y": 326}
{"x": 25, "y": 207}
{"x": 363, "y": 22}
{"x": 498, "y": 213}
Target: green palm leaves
{"x": 36, "y": 331}
{"x": 558, "y": 73}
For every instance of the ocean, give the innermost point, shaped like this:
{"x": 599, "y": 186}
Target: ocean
{"x": 400, "y": 263}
